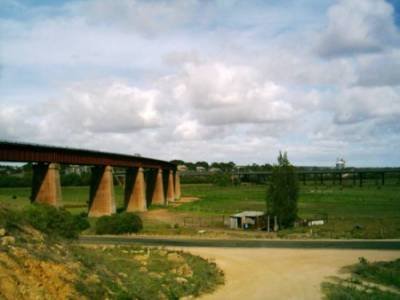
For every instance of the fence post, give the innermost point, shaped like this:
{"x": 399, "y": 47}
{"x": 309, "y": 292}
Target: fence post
{"x": 275, "y": 223}
{"x": 268, "y": 224}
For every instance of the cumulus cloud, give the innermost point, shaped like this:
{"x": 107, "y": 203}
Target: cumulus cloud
{"x": 380, "y": 69}
{"x": 358, "y": 104}
{"x": 221, "y": 94}
{"x": 145, "y": 17}
{"x": 14, "y": 122}
{"x": 358, "y": 27}
{"x": 115, "y": 107}
{"x": 196, "y": 80}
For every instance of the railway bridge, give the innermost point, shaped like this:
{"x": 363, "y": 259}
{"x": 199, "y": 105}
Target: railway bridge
{"x": 147, "y": 181}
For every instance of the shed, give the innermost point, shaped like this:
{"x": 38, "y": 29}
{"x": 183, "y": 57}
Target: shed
{"x": 247, "y": 220}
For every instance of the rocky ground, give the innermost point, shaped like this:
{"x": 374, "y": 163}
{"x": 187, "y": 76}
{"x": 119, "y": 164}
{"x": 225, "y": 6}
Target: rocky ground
{"x": 26, "y": 268}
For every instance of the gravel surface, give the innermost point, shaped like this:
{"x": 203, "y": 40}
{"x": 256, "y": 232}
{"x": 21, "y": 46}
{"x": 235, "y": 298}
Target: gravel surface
{"x": 280, "y": 273}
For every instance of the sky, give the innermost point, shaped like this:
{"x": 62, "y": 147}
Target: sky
{"x": 203, "y": 80}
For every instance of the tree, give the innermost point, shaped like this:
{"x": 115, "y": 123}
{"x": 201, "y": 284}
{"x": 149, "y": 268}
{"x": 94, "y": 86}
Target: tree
{"x": 203, "y": 164}
{"x": 283, "y": 192}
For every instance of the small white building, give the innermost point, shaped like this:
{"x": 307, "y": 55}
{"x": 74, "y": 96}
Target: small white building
{"x": 200, "y": 169}
{"x": 77, "y": 169}
{"x": 340, "y": 163}
{"x": 247, "y": 219}
{"x": 215, "y": 170}
{"x": 182, "y": 168}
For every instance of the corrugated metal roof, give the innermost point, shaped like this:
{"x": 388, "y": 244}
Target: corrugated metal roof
{"x": 249, "y": 214}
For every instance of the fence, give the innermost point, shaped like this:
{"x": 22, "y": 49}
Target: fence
{"x": 206, "y": 221}
{"x": 223, "y": 221}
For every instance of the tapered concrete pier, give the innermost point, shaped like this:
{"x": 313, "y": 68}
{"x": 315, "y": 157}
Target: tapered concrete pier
{"x": 135, "y": 190}
{"x": 171, "y": 187}
{"x": 46, "y": 185}
{"x": 158, "y": 193}
{"x": 177, "y": 186}
{"x": 102, "y": 198}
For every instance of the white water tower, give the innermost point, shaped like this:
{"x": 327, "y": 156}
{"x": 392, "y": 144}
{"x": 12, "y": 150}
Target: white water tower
{"x": 340, "y": 163}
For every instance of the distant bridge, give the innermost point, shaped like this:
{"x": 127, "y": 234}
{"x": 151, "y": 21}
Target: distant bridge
{"x": 357, "y": 176}
{"x": 147, "y": 180}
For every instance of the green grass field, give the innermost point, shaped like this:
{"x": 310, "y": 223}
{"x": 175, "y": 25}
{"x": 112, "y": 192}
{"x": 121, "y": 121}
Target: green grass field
{"x": 367, "y": 201}
{"x": 353, "y": 212}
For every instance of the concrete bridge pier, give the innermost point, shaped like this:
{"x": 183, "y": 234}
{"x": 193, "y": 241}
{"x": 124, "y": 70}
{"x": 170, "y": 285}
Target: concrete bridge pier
{"x": 158, "y": 197}
{"x": 46, "y": 185}
{"x": 135, "y": 190}
{"x": 170, "y": 187}
{"x": 102, "y": 198}
{"x": 177, "y": 186}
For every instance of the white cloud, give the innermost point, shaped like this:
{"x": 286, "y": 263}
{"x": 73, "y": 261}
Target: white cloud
{"x": 380, "y": 69}
{"x": 359, "y": 104}
{"x": 145, "y": 17}
{"x": 203, "y": 80}
{"x": 115, "y": 107}
{"x": 221, "y": 94}
{"x": 358, "y": 27}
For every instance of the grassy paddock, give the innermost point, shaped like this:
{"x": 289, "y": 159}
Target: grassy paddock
{"x": 314, "y": 200}
{"x": 353, "y": 212}
{"x": 371, "y": 211}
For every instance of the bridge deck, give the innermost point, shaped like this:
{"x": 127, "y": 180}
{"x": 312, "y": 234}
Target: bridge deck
{"x": 23, "y": 152}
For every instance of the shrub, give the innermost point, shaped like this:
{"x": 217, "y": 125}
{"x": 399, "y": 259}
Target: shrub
{"x": 9, "y": 219}
{"x": 81, "y": 221}
{"x": 221, "y": 179}
{"x": 283, "y": 192}
{"x": 119, "y": 223}
{"x": 55, "y": 221}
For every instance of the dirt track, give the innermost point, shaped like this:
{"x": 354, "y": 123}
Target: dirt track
{"x": 280, "y": 273}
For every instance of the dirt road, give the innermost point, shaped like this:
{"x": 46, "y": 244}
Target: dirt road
{"x": 280, "y": 273}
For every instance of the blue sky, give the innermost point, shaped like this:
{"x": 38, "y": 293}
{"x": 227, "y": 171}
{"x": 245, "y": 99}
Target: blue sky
{"x": 205, "y": 80}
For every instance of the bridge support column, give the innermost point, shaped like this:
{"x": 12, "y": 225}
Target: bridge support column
{"x": 170, "y": 188}
{"x": 135, "y": 190}
{"x": 102, "y": 199}
{"x": 158, "y": 197}
{"x": 46, "y": 186}
{"x": 177, "y": 186}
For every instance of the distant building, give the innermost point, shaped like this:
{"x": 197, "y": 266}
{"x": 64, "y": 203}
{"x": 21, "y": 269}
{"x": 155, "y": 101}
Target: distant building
{"x": 182, "y": 168}
{"x": 247, "y": 220}
{"x": 215, "y": 170}
{"x": 77, "y": 169}
{"x": 340, "y": 163}
{"x": 200, "y": 169}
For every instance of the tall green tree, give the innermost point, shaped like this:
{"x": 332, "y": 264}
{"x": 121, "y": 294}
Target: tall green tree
{"x": 283, "y": 191}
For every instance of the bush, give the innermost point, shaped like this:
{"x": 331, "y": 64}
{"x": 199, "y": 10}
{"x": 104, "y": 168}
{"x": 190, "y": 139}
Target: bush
{"x": 221, "y": 179}
{"x": 119, "y": 223}
{"x": 283, "y": 192}
{"x": 81, "y": 221}
{"x": 55, "y": 221}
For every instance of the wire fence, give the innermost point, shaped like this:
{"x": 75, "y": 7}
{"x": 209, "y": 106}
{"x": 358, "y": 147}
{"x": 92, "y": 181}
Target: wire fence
{"x": 206, "y": 221}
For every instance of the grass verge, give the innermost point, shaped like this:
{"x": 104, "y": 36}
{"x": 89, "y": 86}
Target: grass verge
{"x": 366, "y": 280}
